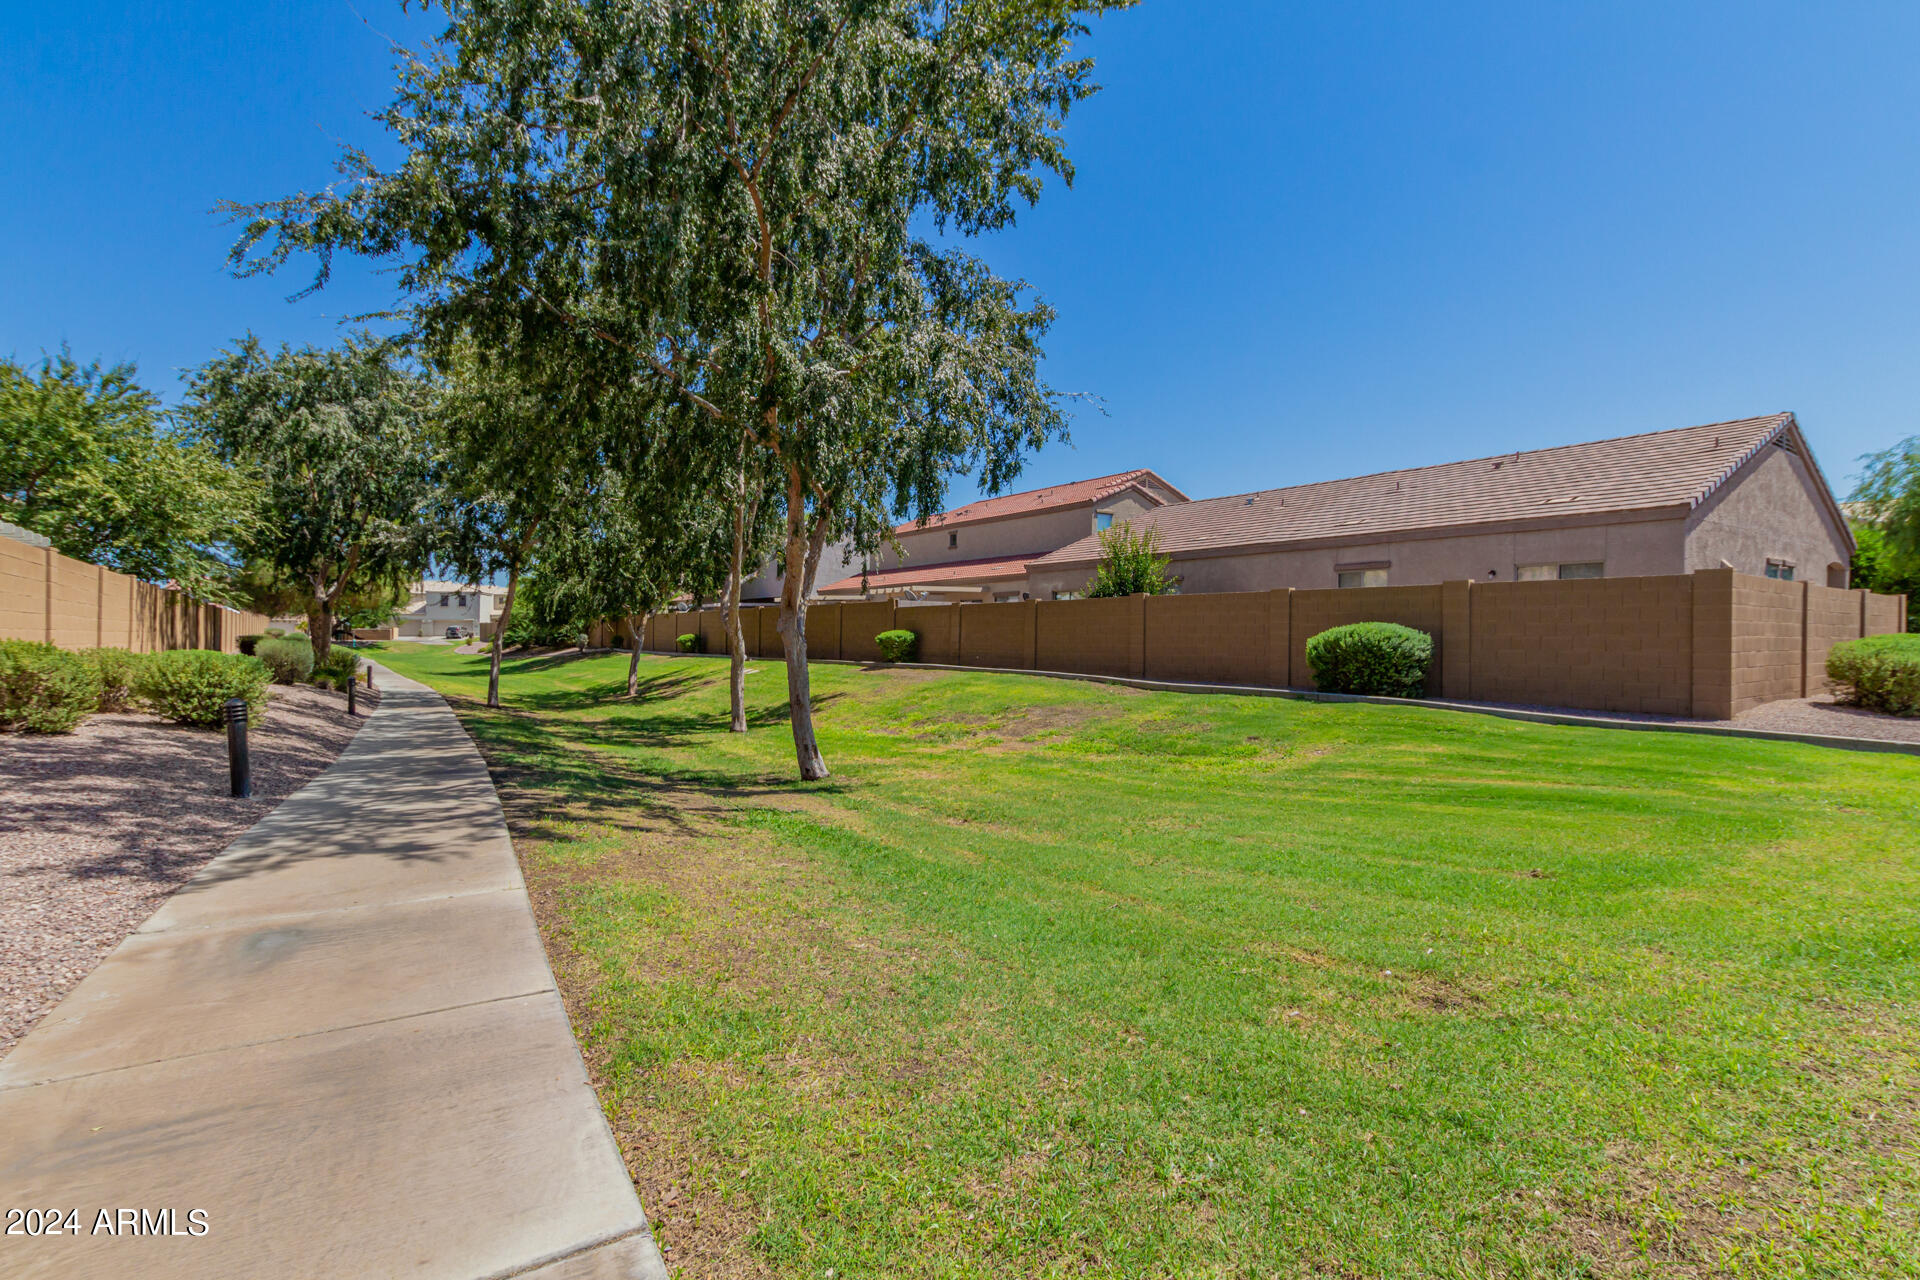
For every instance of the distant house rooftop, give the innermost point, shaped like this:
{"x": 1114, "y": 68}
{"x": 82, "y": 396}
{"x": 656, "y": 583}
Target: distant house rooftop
{"x": 1661, "y": 470}
{"x": 1072, "y": 494}
{"x": 451, "y": 588}
{"x": 1001, "y": 569}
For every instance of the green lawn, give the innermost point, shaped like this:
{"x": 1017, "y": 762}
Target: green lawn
{"x": 1056, "y": 978}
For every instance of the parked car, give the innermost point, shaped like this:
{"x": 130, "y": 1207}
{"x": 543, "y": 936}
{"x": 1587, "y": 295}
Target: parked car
{"x": 458, "y": 633}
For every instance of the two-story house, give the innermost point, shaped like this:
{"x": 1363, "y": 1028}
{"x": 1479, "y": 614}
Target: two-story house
{"x": 981, "y": 551}
{"x": 432, "y": 607}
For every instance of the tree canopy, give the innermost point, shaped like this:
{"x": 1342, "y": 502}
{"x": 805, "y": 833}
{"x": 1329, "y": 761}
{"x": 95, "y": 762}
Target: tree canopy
{"x": 339, "y": 437}
{"x": 89, "y": 461}
{"x": 749, "y": 208}
{"x": 1131, "y": 564}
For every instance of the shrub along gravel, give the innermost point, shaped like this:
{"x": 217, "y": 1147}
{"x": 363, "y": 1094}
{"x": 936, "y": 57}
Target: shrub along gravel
{"x": 191, "y": 686}
{"x": 1879, "y": 672}
{"x": 44, "y": 689}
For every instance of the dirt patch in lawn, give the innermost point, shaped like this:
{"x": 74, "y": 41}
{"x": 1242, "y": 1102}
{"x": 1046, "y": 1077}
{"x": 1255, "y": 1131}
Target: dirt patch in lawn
{"x": 99, "y": 826}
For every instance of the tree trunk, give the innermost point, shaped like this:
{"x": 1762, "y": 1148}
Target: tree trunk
{"x": 500, "y": 637}
{"x": 730, "y": 611}
{"x": 633, "y": 662}
{"x": 323, "y": 625}
{"x": 803, "y": 557}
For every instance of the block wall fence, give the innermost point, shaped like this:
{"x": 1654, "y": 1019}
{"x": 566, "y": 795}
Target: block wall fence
{"x": 49, "y": 597}
{"x": 1709, "y": 645}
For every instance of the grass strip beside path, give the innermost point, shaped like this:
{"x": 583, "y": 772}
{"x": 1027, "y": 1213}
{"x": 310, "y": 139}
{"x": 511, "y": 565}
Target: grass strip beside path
{"x": 1062, "y": 979}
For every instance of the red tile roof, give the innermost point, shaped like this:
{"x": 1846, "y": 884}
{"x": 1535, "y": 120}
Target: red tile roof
{"x": 1630, "y": 473}
{"x": 1050, "y": 498}
{"x": 957, "y": 571}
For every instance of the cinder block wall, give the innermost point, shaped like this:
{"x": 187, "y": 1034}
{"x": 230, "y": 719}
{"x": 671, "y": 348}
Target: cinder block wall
{"x": 1710, "y": 644}
{"x": 1606, "y": 644}
{"x": 48, "y": 597}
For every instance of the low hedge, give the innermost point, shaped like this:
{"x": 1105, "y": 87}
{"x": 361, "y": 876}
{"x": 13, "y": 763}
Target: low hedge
{"x": 117, "y": 670}
{"x": 692, "y": 643}
{"x": 289, "y": 658}
{"x": 44, "y": 689}
{"x": 1381, "y": 659}
{"x": 1881, "y": 672}
{"x": 192, "y": 686}
{"x": 897, "y": 646}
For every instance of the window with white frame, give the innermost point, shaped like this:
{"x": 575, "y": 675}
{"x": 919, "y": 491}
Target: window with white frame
{"x": 1362, "y": 578}
{"x": 462, "y": 598}
{"x": 443, "y": 601}
{"x": 1780, "y": 569}
{"x": 1561, "y": 572}
{"x": 1103, "y": 520}
{"x": 953, "y": 541}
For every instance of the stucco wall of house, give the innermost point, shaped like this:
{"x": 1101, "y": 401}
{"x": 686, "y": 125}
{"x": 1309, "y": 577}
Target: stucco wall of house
{"x": 836, "y": 562}
{"x": 1632, "y": 549}
{"x": 1035, "y": 533}
{"x": 1770, "y": 508}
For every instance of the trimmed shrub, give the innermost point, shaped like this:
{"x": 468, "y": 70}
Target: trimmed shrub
{"x": 248, "y": 642}
{"x": 289, "y": 658}
{"x": 692, "y": 643}
{"x": 897, "y": 646}
{"x": 1383, "y": 659}
{"x": 44, "y": 689}
{"x": 116, "y": 669}
{"x": 192, "y": 686}
{"x": 1881, "y": 672}
{"x": 338, "y": 671}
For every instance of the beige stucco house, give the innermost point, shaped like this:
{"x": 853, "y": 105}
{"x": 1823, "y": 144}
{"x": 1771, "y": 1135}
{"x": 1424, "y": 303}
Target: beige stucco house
{"x": 432, "y": 607}
{"x": 981, "y": 551}
{"x": 1746, "y": 495}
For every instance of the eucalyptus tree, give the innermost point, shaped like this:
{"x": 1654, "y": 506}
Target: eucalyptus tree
{"x": 515, "y": 453}
{"x": 339, "y": 438}
{"x": 751, "y": 205}
{"x": 634, "y": 545}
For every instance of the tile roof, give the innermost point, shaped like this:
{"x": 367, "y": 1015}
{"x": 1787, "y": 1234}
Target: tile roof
{"x": 995, "y": 570}
{"x": 450, "y": 588}
{"x": 1047, "y": 499}
{"x": 1629, "y": 473}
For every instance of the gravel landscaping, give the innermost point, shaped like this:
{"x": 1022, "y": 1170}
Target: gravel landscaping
{"x": 1821, "y": 715}
{"x": 99, "y": 826}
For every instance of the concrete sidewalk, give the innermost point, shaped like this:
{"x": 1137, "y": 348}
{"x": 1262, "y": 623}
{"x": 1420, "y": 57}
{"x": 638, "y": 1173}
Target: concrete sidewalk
{"x": 341, "y": 1043}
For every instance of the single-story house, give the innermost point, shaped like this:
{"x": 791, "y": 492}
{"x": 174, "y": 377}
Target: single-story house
{"x": 981, "y": 551}
{"x": 1745, "y": 494}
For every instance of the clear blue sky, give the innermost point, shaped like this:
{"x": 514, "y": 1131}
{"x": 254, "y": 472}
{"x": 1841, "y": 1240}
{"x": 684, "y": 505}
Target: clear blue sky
{"x": 1305, "y": 240}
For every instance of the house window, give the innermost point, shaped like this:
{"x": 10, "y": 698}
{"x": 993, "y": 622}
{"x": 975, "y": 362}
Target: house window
{"x": 1363, "y": 577}
{"x": 1561, "y": 572}
{"x": 463, "y": 600}
{"x": 1103, "y": 520}
{"x": 1066, "y": 595}
{"x": 443, "y": 601}
{"x": 1780, "y": 569}
{"x": 953, "y": 541}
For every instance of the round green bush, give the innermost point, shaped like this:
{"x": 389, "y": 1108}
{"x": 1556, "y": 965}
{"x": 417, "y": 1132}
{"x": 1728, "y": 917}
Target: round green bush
{"x": 897, "y": 646}
{"x": 44, "y": 689}
{"x": 1880, "y": 672}
{"x": 116, "y": 669}
{"x": 1382, "y": 659}
{"x": 192, "y": 685}
{"x": 289, "y": 658}
{"x": 691, "y": 643}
